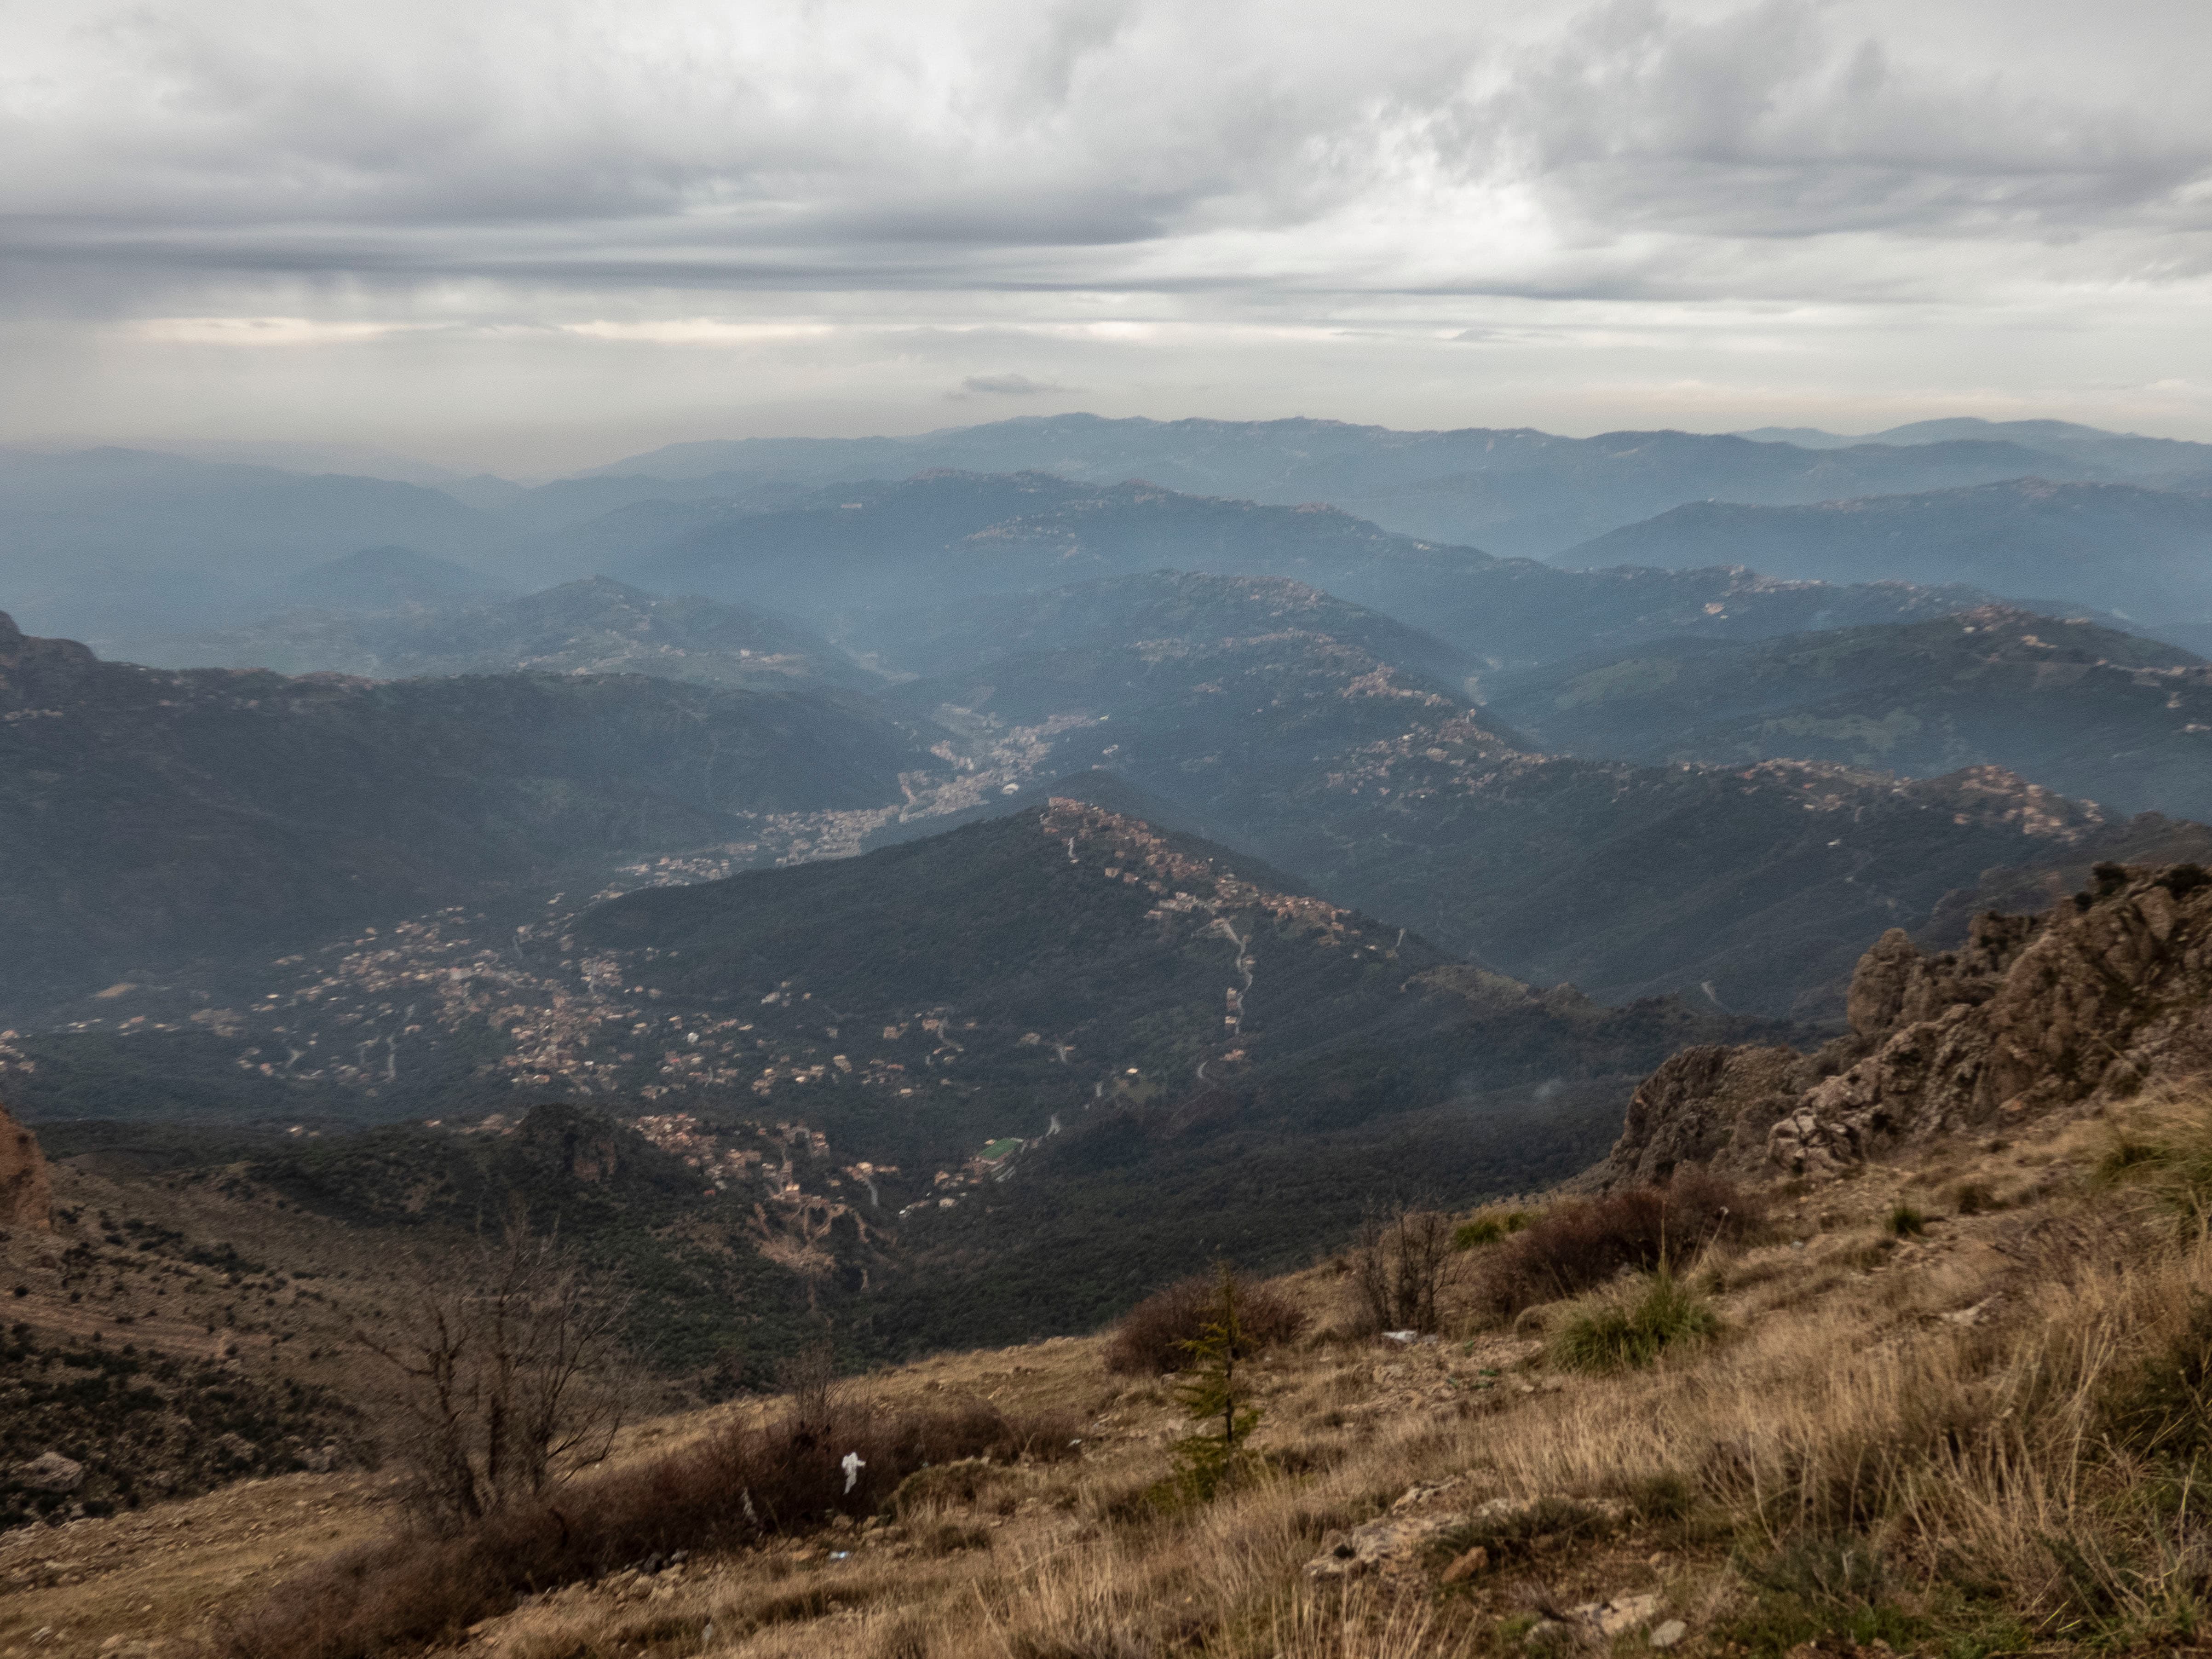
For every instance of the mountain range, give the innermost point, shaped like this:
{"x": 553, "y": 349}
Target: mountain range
{"x": 2143, "y": 556}
{"x": 117, "y": 544}
{"x": 2171, "y": 461}
{"x": 156, "y": 818}
{"x": 104, "y": 542}
{"x": 872, "y": 565}
{"x": 592, "y": 626}
{"x": 1276, "y": 715}
{"x": 1514, "y": 491}
{"x": 2124, "y": 721}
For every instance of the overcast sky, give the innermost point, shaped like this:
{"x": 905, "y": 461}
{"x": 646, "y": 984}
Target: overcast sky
{"x": 540, "y": 234}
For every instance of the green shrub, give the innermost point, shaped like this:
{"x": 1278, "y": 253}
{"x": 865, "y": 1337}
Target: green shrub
{"x": 1905, "y": 1222}
{"x": 1216, "y": 1398}
{"x": 1625, "y": 1331}
{"x": 1818, "y": 1593}
{"x": 1488, "y": 1229}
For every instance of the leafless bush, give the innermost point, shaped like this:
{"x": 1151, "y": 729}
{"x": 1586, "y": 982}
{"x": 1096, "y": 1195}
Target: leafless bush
{"x": 1154, "y": 1337}
{"x": 1575, "y": 1246}
{"x": 1404, "y": 1269}
{"x": 732, "y": 1488}
{"x": 503, "y": 1361}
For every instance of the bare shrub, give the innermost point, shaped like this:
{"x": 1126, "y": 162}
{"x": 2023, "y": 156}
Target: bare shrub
{"x": 1580, "y": 1244}
{"x": 1155, "y": 1337}
{"x": 502, "y": 1360}
{"x": 1403, "y": 1269}
{"x": 728, "y": 1489}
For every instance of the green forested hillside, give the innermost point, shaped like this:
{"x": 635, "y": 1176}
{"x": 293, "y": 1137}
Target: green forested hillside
{"x": 2089, "y": 711}
{"x": 155, "y": 818}
{"x": 593, "y": 626}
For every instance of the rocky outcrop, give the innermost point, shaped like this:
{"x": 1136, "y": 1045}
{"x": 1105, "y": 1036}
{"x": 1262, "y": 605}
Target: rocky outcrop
{"x": 1706, "y": 1104}
{"x": 27, "y": 1194}
{"x": 2088, "y": 1003}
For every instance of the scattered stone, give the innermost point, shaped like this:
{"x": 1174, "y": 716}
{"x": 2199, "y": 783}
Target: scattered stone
{"x": 1389, "y": 1542}
{"x": 1421, "y": 1491}
{"x": 1667, "y": 1635}
{"x": 50, "y": 1472}
{"x": 1622, "y": 1612}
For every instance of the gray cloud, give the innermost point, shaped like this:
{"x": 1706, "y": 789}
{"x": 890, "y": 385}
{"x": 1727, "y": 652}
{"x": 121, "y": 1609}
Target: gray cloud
{"x": 1009, "y": 386}
{"x": 506, "y": 179}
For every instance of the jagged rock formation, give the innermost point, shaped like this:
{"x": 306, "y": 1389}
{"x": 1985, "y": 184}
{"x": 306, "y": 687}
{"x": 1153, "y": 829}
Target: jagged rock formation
{"x": 26, "y": 1196}
{"x": 2088, "y": 1003}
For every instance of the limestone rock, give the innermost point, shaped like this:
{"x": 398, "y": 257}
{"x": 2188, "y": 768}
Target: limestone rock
{"x": 50, "y": 1472}
{"x": 1705, "y": 1103}
{"x": 1389, "y": 1542}
{"x": 27, "y": 1194}
{"x": 1612, "y": 1617}
{"x": 2082, "y": 1006}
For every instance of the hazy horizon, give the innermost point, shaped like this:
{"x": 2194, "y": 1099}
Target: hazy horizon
{"x": 416, "y": 466}
{"x": 533, "y": 240}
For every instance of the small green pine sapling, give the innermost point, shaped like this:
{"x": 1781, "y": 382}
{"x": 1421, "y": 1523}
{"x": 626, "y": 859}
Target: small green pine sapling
{"x": 1215, "y": 1397}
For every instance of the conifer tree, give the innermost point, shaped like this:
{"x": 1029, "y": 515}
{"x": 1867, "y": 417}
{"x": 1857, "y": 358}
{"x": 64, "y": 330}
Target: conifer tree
{"x": 1216, "y": 1396}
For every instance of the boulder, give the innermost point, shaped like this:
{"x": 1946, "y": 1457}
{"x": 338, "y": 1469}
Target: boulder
{"x": 26, "y": 1193}
{"x": 50, "y": 1472}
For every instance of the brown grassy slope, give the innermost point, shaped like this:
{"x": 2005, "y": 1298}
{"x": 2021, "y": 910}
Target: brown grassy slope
{"x": 1920, "y": 1436}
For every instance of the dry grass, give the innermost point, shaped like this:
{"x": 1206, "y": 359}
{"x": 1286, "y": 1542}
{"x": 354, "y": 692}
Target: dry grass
{"x": 1973, "y": 1440}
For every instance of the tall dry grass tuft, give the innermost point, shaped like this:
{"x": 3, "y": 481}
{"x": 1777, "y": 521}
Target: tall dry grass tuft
{"x": 1982, "y": 1449}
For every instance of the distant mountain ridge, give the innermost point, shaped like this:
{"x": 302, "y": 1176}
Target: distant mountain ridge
{"x": 594, "y": 626}
{"x": 2122, "y": 720}
{"x": 1515, "y": 491}
{"x": 2173, "y": 461}
{"x": 1385, "y": 789}
{"x": 106, "y": 541}
{"x": 155, "y": 818}
{"x": 872, "y": 565}
{"x": 2144, "y": 554}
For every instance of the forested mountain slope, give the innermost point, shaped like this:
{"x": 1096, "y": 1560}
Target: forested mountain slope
{"x": 2122, "y": 720}
{"x": 593, "y": 626}
{"x": 2144, "y": 555}
{"x": 156, "y": 817}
